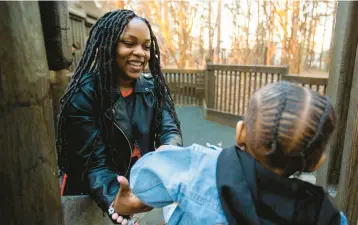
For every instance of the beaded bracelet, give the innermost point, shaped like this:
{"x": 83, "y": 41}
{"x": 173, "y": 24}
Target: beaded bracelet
{"x": 130, "y": 217}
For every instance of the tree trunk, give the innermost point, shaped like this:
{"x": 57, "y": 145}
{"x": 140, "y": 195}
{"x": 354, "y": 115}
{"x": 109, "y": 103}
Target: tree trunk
{"x": 248, "y": 50}
{"x": 219, "y": 32}
{"x": 309, "y": 37}
{"x": 293, "y": 42}
{"x": 303, "y": 45}
{"x": 269, "y": 51}
{"x": 321, "y": 61}
{"x": 201, "y": 42}
{"x": 30, "y": 187}
{"x": 332, "y": 36}
{"x": 258, "y": 32}
{"x": 210, "y": 58}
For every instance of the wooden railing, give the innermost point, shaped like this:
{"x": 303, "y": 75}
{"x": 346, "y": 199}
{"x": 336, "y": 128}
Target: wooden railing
{"x": 318, "y": 84}
{"x": 186, "y": 86}
{"x": 229, "y": 87}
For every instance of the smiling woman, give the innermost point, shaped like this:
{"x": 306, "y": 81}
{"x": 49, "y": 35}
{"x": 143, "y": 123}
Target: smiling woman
{"x": 133, "y": 49}
{"x": 112, "y": 114}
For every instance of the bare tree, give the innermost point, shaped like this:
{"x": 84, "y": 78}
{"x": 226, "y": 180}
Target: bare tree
{"x": 175, "y": 29}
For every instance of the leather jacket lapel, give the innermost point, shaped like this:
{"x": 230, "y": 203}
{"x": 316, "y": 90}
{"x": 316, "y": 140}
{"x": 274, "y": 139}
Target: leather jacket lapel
{"x": 121, "y": 117}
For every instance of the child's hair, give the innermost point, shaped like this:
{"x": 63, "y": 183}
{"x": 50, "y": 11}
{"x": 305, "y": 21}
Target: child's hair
{"x": 290, "y": 125}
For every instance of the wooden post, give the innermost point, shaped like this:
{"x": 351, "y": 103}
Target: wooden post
{"x": 29, "y": 187}
{"x": 343, "y": 91}
{"x": 210, "y": 86}
{"x": 347, "y": 195}
{"x": 339, "y": 86}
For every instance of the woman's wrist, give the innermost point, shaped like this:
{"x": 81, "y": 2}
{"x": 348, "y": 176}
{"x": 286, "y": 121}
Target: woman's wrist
{"x": 115, "y": 215}
{"x": 111, "y": 209}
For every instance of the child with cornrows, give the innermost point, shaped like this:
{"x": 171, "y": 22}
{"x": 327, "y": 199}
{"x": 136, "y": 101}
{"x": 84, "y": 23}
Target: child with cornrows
{"x": 284, "y": 132}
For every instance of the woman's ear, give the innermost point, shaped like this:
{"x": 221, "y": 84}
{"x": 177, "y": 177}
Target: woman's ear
{"x": 241, "y": 134}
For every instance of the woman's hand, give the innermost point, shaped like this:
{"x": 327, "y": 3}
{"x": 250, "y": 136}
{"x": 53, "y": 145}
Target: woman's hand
{"x": 126, "y": 203}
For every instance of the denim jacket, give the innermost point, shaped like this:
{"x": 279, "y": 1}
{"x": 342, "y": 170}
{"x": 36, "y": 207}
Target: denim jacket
{"x": 185, "y": 176}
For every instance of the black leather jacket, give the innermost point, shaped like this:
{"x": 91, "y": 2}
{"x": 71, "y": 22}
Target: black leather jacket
{"x": 96, "y": 159}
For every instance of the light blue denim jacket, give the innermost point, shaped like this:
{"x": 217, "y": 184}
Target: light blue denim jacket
{"x": 180, "y": 175}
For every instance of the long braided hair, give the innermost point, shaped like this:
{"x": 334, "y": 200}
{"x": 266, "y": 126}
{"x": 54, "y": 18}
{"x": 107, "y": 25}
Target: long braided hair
{"x": 292, "y": 124}
{"x": 99, "y": 55}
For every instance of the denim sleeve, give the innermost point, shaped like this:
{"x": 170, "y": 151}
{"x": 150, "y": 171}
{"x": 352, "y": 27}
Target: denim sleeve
{"x": 343, "y": 219}
{"x": 156, "y": 177}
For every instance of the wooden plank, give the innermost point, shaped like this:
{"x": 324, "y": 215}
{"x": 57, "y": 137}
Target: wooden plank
{"x": 347, "y": 196}
{"x": 244, "y": 94}
{"x": 339, "y": 86}
{"x": 255, "y": 81}
{"x": 236, "y": 100}
{"x": 225, "y": 91}
{"x": 239, "y": 91}
{"x": 220, "y": 75}
{"x": 217, "y": 89}
{"x": 211, "y": 89}
{"x": 181, "y": 85}
{"x": 165, "y": 70}
{"x": 185, "y": 95}
{"x": 191, "y": 88}
{"x": 249, "y": 68}
{"x": 230, "y": 90}
{"x": 30, "y": 192}
{"x": 305, "y": 80}
{"x": 177, "y": 88}
{"x": 266, "y": 78}
{"x": 249, "y": 74}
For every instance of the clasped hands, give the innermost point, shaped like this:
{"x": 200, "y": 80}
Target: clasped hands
{"x": 126, "y": 203}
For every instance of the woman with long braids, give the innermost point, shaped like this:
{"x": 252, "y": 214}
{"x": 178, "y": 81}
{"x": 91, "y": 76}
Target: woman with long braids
{"x": 111, "y": 113}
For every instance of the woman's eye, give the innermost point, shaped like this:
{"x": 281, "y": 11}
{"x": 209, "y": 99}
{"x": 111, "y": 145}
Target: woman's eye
{"x": 128, "y": 43}
{"x": 147, "y": 47}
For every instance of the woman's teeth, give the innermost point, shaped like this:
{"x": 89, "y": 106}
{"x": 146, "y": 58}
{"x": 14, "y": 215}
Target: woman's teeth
{"x": 135, "y": 63}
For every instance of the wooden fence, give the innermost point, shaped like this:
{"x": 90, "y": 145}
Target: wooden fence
{"x": 318, "y": 84}
{"x": 80, "y": 25}
{"x": 229, "y": 87}
{"x": 186, "y": 86}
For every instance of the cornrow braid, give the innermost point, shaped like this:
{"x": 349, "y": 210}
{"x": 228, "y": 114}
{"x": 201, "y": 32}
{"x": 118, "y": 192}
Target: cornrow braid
{"x": 275, "y": 144}
{"x": 319, "y": 127}
{"x": 98, "y": 59}
{"x": 289, "y": 125}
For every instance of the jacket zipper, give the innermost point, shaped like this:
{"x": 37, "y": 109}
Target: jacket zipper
{"x": 130, "y": 146}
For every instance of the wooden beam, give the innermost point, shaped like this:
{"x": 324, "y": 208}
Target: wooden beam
{"x": 339, "y": 86}
{"x": 283, "y": 70}
{"x": 29, "y": 189}
{"x": 347, "y": 195}
{"x": 56, "y": 32}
